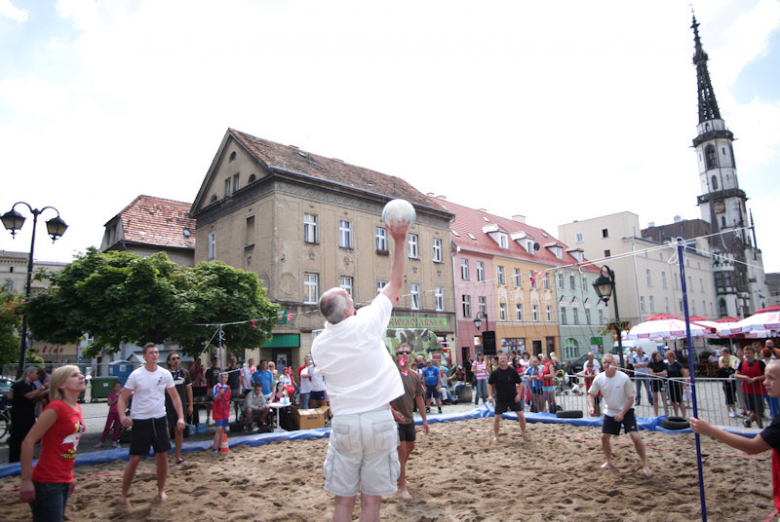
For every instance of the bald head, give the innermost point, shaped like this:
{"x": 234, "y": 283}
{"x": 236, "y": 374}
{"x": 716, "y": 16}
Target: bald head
{"x": 335, "y": 305}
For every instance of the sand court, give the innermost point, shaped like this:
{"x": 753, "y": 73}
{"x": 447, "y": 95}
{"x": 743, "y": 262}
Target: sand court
{"x": 457, "y": 473}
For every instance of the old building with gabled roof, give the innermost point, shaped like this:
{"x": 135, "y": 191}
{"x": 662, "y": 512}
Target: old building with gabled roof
{"x": 149, "y": 225}
{"x": 306, "y": 223}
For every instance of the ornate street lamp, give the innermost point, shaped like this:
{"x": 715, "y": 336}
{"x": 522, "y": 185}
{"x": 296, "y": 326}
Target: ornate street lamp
{"x": 478, "y": 320}
{"x": 56, "y": 227}
{"x": 605, "y": 288}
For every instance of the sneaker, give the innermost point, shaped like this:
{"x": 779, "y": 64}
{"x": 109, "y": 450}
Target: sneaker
{"x": 427, "y": 410}
{"x": 439, "y": 410}
{"x": 733, "y": 415}
{"x": 98, "y": 445}
{"x": 215, "y": 452}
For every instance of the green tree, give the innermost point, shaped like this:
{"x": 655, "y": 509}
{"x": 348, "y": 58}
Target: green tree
{"x": 120, "y": 297}
{"x": 10, "y": 326}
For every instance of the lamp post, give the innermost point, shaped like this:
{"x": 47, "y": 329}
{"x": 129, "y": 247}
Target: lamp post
{"x": 605, "y": 288}
{"x": 56, "y": 227}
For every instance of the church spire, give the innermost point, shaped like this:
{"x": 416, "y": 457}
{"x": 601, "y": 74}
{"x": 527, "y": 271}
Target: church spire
{"x": 708, "y": 105}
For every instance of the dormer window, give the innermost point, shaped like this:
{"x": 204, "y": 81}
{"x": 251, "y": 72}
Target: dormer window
{"x": 503, "y": 240}
{"x": 524, "y": 240}
{"x": 577, "y": 254}
{"x": 556, "y": 249}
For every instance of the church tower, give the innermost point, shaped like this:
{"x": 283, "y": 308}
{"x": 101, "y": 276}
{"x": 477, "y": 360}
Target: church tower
{"x": 737, "y": 264}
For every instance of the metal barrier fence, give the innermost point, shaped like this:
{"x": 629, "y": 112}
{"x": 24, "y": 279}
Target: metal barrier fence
{"x": 720, "y": 401}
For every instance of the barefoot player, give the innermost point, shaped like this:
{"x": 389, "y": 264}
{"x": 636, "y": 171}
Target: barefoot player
{"x": 618, "y": 393}
{"x": 402, "y": 411}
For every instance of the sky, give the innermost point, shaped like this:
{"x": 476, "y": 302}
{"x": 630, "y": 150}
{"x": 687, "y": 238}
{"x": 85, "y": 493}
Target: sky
{"x": 559, "y": 111}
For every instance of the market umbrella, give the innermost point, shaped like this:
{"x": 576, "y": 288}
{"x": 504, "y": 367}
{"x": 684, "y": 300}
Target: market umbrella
{"x": 665, "y": 329}
{"x": 766, "y": 319}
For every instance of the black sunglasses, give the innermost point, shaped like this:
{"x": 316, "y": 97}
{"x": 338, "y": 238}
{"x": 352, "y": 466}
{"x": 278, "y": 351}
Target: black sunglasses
{"x": 404, "y": 352}
{"x": 174, "y": 358}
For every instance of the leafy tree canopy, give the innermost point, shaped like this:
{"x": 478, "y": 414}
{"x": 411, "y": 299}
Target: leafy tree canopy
{"x": 10, "y": 326}
{"x": 120, "y": 297}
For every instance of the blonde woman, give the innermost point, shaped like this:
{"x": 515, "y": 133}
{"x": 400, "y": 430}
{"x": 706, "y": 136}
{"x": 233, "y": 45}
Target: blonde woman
{"x": 48, "y": 486}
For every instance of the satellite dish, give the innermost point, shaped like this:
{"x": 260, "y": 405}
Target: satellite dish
{"x": 536, "y": 246}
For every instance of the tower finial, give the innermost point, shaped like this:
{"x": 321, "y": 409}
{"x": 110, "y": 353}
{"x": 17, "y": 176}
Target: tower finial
{"x": 708, "y": 105}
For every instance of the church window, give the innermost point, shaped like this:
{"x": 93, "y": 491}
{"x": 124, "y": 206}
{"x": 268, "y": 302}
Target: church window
{"x": 712, "y": 158}
{"x": 706, "y": 127}
{"x": 722, "y": 221}
{"x": 723, "y": 150}
{"x": 714, "y": 183}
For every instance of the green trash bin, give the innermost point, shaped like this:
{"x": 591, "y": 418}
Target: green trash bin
{"x": 102, "y": 386}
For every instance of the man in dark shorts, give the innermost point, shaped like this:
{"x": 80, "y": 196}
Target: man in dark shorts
{"x": 618, "y": 393}
{"x": 506, "y": 386}
{"x": 148, "y": 386}
{"x": 402, "y": 411}
{"x": 766, "y": 440}
{"x": 183, "y": 384}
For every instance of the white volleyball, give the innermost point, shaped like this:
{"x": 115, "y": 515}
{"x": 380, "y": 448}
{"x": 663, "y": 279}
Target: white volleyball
{"x": 399, "y": 209}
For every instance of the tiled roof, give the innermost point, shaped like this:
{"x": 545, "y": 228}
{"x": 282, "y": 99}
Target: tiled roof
{"x": 160, "y": 222}
{"x": 294, "y": 160}
{"x": 471, "y": 221}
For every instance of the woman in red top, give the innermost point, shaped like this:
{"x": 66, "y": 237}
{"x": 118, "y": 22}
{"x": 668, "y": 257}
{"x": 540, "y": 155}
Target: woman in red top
{"x": 59, "y": 427}
{"x": 221, "y": 413}
{"x": 548, "y": 385}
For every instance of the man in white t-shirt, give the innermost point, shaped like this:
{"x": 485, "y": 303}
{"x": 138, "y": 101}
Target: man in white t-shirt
{"x": 362, "y": 379}
{"x": 246, "y": 376}
{"x": 592, "y": 359}
{"x": 305, "y": 391}
{"x": 618, "y": 393}
{"x": 148, "y": 386}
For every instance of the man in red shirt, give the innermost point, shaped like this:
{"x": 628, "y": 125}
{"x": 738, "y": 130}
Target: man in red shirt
{"x": 766, "y": 440}
{"x": 751, "y": 373}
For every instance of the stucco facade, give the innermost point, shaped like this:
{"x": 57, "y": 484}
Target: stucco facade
{"x": 309, "y": 226}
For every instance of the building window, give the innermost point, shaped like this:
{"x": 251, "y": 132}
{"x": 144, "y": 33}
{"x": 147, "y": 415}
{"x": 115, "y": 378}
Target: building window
{"x": 249, "y": 238}
{"x": 412, "y": 241}
{"x": 227, "y": 187}
{"x": 519, "y": 312}
{"x": 584, "y": 282}
{"x": 466, "y": 301}
{"x": 676, "y": 280}
{"x": 549, "y": 314}
{"x": 572, "y": 284}
{"x": 562, "y": 315}
{"x": 642, "y": 303}
{"x": 601, "y": 317}
{"x": 666, "y": 304}
{"x": 346, "y": 284}
{"x": 693, "y": 307}
{"x": 480, "y": 271}
{"x": 212, "y": 245}
{"x": 570, "y": 349}
{"x": 546, "y": 282}
{"x": 517, "y": 277}
{"x": 310, "y": 228}
{"x": 381, "y": 239}
{"x": 703, "y": 306}
{"x": 483, "y": 304}
{"x": 311, "y": 288}
{"x": 535, "y": 313}
{"x": 712, "y": 310}
{"x": 502, "y": 311}
{"x": 437, "y": 251}
{"x": 345, "y": 234}
{"x": 500, "y": 275}
{"x": 579, "y": 238}
{"x": 575, "y": 314}
{"x": 652, "y": 304}
{"x": 236, "y": 185}
{"x": 380, "y": 285}
{"x": 503, "y": 241}
{"x": 607, "y": 253}
{"x": 604, "y": 232}
{"x": 587, "y": 316}
{"x": 560, "y": 281}
{"x": 701, "y": 282}
{"x": 232, "y": 157}
{"x": 464, "y": 269}
{"x": 680, "y": 308}
{"x": 438, "y": 293}
{"x": 9, "y": 285}
{"x": 533, "y": 279}
{"x": 663, "y": 280}
{"x": 649, "y": 275}
{"x": 690, "y": 284}
{"x": 414, "y": 291}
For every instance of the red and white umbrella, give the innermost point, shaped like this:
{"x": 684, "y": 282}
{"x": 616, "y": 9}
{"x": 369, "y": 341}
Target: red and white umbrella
{"x": 665, "y": 329}
{"x": 763, "y": 320}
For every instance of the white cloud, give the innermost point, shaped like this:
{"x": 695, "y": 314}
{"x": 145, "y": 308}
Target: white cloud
{"x": 8, "y": 10}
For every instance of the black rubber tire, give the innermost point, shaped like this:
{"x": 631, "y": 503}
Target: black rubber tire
{"x": 569, "y": 414}
{"x": 675, "y": 423}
